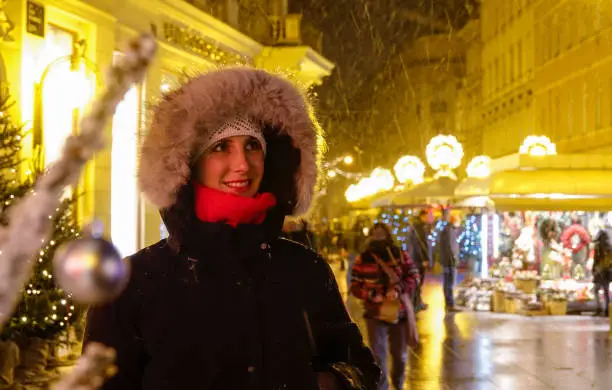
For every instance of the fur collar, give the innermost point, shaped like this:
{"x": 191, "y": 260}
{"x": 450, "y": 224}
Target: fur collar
{"x": 184, "y": 117}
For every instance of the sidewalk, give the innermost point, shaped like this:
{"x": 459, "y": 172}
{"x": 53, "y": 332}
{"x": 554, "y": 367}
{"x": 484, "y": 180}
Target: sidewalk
{"x": 486, "y": 351}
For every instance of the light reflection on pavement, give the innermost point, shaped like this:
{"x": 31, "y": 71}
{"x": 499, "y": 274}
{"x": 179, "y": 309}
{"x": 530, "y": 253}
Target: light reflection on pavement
{"x": 483, "y": 351}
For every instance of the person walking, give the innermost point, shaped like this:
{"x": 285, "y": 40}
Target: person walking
{"x": 449, "y": 259}
{"x": 419, "y": 251}
{"x": 602, "y": 270}
{"x": 224, "y": 303}
{"x": 386, "y": 278}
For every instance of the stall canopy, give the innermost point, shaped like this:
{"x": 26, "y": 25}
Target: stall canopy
{"x": 558, "y": 182}
{"x": 385, "y": 200}
{"x": 437, "y": 191}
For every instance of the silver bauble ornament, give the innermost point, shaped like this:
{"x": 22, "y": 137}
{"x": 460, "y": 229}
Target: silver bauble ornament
{"x": 91, "y": 270}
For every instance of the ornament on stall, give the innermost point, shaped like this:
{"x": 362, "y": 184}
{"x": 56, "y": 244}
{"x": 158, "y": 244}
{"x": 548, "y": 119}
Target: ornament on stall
{"x": 579, "y": 273}
{"x": 575, "y": 238}
{"x": 91, "y": 269}
{"x": 524, "y": 246}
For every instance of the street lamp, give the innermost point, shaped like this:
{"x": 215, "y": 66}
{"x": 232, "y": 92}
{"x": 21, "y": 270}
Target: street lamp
{"x": 348, "y": 159}
{"x": 75, "y": 83}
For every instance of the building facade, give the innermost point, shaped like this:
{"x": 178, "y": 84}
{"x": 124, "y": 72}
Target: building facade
{"x": 469, "y": 118}
{"x": 573, "y": 75}
{"x": 435, "y": 69}
{"x": 508, "y": 64}
{"x": 52, "y": 61}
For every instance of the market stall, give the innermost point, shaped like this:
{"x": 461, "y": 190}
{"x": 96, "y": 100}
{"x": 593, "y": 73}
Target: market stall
{"x": 542, "y": 210}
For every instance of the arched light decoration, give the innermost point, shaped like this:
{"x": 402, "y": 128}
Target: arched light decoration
{"x": 383, "y": 179}
{"x": 538, "y": 145}
{"x": 444, "y": 153}
{"x": 379, "y": 180}
{"x": 479, "y": 167}
{"x": 353, "y": 193}
{"x": 409, "y": 169}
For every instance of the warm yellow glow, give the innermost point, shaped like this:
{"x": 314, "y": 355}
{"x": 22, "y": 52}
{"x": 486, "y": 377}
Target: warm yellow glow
{"x": 535, "y": 145}
{"x": 444, "y": 152}
{"x": 348, "y": 160}
{"x": 409, "y": 169}
{"x": 383, "y": 179}
{"x": 352, "y": 193}
{"x": 59, "y": 112}
{"x": 479, "y": 167}
{"x": 124, "y": 190}
{"x": 332, "y": 174}
{"x": 379, "y": 180}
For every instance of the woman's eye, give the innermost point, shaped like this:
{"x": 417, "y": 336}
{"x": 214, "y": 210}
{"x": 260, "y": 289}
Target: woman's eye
{"x": 252, "y": 145}
{"x": 219, "y": 147}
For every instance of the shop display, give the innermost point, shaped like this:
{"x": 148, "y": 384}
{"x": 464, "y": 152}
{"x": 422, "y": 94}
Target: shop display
{"x": 476, "y": 294}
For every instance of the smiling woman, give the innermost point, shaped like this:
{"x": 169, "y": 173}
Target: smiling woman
{"x": 229, "y": 154}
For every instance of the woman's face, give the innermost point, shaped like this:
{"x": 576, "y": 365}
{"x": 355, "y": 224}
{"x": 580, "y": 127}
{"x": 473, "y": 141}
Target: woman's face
{"x": 379, "y": 234}
{"x": 234, "y": 165}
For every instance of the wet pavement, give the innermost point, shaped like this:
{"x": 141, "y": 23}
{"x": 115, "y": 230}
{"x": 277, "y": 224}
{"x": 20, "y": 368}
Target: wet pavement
{"x": 482, "y": 351}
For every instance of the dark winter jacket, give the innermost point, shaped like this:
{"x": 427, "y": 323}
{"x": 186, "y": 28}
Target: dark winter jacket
{"x": 602, "y": 259}
{"x": 418, "y": 242}
{"x": 449, "y": 247}
{"x": 231, "y": 316}
{"x": 215, "y": 307}
{"x": 369, "y": 280}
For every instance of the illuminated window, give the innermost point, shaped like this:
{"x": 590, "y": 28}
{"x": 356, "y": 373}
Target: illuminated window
{"x": 60, "y": 115}
{"x": 125, "y": 210}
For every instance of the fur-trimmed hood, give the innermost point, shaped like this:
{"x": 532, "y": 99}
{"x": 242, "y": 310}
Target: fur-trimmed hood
{"x": 184, "y": 117}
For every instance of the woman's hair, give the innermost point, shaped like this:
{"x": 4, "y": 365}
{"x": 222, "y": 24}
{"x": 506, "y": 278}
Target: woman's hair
{"x": 383, "y": 226}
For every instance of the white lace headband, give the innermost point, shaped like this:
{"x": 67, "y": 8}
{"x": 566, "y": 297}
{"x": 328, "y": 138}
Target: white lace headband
{"x": 238, "y": 126}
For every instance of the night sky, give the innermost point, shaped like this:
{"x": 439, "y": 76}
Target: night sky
{"x": 368, "y": 40}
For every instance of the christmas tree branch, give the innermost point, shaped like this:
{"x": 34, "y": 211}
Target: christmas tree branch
{"x": 30, "y": 219}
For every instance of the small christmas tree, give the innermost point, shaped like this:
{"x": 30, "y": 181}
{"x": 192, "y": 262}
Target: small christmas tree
{"x": 470, "y": 240}
{"x": 399, "y": 221}
{"x": 44, "y": 310}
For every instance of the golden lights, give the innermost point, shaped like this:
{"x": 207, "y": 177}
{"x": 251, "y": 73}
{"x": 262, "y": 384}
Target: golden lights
{"x": 535, "y": 145}
{"x": 409, "y": 169}
{"x": 479, "y": 167}
{"x": 379, "y": 180}
{"x": 444, "y": 153}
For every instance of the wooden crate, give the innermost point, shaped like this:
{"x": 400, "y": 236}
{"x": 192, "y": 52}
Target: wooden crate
{"x": 499, "y": 305}
{"x": 526, "y": 286}
{"x": 512, "y": 305}
{"x": 557, "y": 308}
